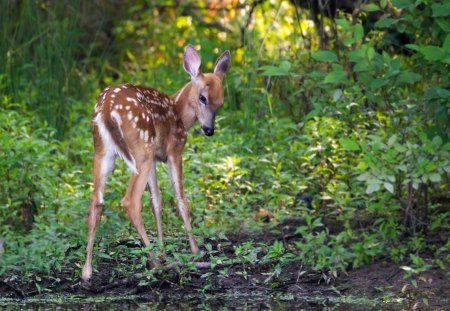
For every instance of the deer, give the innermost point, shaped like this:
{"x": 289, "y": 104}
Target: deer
{"x": 144, "y": 126}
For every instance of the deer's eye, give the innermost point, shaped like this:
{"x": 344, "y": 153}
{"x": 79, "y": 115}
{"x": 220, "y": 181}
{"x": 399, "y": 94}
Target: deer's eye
{"x": 202, "y": 99}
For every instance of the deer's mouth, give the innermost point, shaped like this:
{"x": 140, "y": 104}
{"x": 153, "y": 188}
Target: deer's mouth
{"x": 208, "y": 131}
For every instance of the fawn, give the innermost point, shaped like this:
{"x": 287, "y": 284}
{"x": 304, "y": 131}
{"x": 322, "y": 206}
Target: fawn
{"x": 142, "y": 126}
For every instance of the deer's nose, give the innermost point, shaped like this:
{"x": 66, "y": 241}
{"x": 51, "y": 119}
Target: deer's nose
{"x": 208, "y": 131}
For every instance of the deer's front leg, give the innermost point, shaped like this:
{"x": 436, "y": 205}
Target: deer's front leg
{"x": 176, "y": 176}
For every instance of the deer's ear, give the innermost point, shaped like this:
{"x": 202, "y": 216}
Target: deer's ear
{"x": 192, "y": 62}
{"x": 223, "y": 64}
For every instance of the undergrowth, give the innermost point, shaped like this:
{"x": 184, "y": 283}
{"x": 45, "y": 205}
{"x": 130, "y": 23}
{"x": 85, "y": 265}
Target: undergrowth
{"x": 352, "y": 142}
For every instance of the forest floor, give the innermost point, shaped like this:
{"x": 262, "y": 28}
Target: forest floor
{"x": 381, "y": 284}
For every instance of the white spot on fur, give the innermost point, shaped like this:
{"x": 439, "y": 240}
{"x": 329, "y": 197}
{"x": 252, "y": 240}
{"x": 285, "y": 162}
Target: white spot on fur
{"x": 130, "y": 115}
{"x": 132, "y": 100}
{"x": 127, "y": 107}
{"x": 117, "y": 90}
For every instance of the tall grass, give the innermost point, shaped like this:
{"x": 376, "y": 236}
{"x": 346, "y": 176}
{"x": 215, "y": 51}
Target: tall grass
{"x": 38, "y": 57}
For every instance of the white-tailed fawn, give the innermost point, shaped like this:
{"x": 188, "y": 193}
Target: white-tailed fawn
{"x": 142, "y": 126}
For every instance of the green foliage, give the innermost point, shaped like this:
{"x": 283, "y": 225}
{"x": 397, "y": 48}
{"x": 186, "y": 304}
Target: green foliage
{"x": 38, "y": 58}
{"x": 361, "y": 125}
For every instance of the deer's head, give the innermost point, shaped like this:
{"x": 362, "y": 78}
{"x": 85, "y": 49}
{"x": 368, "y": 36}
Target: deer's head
{"x": 206, "y": 92}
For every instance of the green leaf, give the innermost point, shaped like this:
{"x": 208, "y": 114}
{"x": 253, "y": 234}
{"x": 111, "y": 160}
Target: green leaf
{"x": 343, "y": 23}
{"x": 392, "y": 140}
{"x": 400, "y": 148}
{"x": 336, "y": 76}
{"x": 349, "y": 144}
{"x": 325, "y": 56}
{"x": 446, "y": 45}
{"x": 313, "y": 113}
{"x": 281, "y": 70}
{"x": 437, "y": 93}
{"x": 446, "y": 147}
{"x": 378, "y": 83}
{"x": 386, "y": 22}
{"x": 444, "y": 23}
{"x": 432, "y": 52}
{"x": 434, "y": 177}
{"x": 371, "y": 53}
{"x": 413, "y": 47}
{"x": 371, "y": 7}
{"x": 359, "y": 32}
{"x": 361, "y": 66}
{"x": 356, "y": 55}
{"x": 364, "y": 177}
{"x": 441, "y": 9}
{"x": 389, "y": 187}
{"x": 437, "y": 141}
{"x": 407, "y": 77}
{"x": 402, "y": 4}
{"x": 362, "y": 166}
{"x": 337, "y": 94}
{"x": 373, "y": 187}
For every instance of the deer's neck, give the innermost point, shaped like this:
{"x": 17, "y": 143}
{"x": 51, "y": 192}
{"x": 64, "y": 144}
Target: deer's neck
{"x": 182, "y": 106}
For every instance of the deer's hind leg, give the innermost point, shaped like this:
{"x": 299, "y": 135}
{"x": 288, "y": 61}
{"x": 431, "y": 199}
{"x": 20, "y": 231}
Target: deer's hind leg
{"x": 102, "y": 167}
{"x": 132, "y": 202}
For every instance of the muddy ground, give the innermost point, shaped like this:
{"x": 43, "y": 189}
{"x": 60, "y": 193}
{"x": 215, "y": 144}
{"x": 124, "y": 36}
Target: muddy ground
{"x": 381, "y": 284}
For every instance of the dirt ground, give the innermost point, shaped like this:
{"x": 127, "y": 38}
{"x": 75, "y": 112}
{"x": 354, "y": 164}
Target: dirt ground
{"x": 296, "y": 285}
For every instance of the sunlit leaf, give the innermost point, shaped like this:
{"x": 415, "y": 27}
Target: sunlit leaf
{"x": 337, "y": 94}
{"x": 392, "y": 140}
{"x": 371, "y": 7}
{"x": 434, "y": 177}
{"x": 389, "y": 187}
{"x": 343, "y": 23}
{"x": 349, "y": 144}
{"x": 373, "y": 187}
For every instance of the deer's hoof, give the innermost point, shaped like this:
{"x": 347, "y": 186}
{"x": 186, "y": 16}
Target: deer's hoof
{"x": 86, "y": 284}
